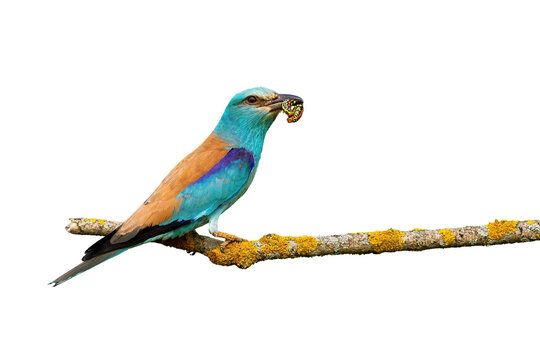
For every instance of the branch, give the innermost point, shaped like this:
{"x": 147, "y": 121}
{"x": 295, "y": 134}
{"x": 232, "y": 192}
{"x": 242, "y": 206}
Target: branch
{"x": 272, "y": 246}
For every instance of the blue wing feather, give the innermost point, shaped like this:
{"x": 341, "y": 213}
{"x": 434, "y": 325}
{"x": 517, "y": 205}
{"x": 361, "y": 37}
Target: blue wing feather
{"x": 222, "y": 184}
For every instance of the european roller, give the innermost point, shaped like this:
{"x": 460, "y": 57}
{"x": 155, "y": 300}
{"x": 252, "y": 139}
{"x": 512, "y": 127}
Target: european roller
{"x": 203, "y": 185}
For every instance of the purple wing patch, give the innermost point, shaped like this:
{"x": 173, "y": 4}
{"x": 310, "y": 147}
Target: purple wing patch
{"x": 236, "y": 154}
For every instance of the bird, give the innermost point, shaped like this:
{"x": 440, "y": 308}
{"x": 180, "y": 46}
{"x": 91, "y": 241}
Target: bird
{"x": 203, "y": 185}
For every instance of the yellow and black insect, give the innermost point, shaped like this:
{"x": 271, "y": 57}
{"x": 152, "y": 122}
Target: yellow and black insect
{"x": 293, "y": 110}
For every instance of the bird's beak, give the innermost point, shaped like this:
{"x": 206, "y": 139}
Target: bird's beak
{"x": 275, "y": 104}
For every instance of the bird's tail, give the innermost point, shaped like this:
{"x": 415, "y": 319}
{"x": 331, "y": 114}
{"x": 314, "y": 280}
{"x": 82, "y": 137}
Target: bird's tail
{"x": 86, "y": 265}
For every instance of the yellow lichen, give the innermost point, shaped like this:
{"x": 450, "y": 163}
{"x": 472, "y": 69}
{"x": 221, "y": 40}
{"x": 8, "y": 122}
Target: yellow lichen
{"x": 389, "y": 240}
{"x": 448, "y": 236}
{"x": 418, "y": 229}
{"x": 94, "y": 220}
{"x": 246, "y": 253}
{"x": 531, "y": 222}
{"x": 242, "y": 254}
{"x": 274, "y": 244}
{"x": 498, "y": 229}
{"x": 306, "y": 244}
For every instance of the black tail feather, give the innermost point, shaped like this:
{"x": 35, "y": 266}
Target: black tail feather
{"x": 103, "y": 249}
{"x": 98, "y": 244}
{"x": 82, "y": 267}
{"x": 104, "y": 245}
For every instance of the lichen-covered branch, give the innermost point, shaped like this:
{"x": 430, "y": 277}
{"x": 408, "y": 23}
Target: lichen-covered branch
{"x": 272, "y": 246}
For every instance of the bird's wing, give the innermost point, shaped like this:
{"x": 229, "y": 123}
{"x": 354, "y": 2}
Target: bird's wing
{"x": 168, "y": 210}
{"x": 164, "y": 202}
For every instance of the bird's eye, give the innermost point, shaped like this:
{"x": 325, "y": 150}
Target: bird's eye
{"x": 252, "y": 99}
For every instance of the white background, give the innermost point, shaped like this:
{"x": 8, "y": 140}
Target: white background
{"x": 417, "y": 114}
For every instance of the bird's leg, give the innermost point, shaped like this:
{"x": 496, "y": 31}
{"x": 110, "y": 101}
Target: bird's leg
{"x": 229, "y": 238}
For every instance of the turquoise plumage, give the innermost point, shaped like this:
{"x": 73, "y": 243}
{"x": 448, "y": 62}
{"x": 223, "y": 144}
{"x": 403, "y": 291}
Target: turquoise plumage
{"x": 203, "y": 185}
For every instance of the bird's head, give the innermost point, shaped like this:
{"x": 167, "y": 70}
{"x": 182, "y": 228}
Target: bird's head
{"x": 250, "y": 113}
{"x": 261, "y": 105}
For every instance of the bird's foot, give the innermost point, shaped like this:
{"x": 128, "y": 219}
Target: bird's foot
{"x": 229, "y": 239}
